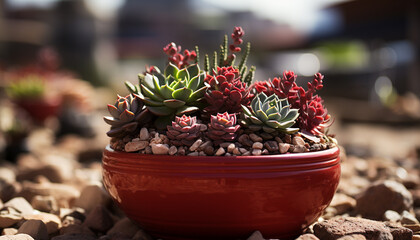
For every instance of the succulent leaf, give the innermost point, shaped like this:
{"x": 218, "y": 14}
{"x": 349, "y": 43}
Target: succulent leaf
{"x": 270, "y": 114}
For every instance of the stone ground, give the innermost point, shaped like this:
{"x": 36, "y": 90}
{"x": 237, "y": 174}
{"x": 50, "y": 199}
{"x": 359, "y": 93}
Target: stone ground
{"x": 55, "y": 192}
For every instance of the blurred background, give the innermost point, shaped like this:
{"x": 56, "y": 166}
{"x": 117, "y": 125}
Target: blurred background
{"x": 81, "y": 52}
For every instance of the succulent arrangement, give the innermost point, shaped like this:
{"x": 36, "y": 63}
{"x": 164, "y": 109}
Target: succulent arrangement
{"x": 218, "y": 109}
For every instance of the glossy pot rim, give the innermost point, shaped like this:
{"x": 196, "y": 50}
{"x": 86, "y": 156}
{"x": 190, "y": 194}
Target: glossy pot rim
{"x": 240, "y": 164}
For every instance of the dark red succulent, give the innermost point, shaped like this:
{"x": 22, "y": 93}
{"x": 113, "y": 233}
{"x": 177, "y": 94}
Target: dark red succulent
{"x": 226, "y": 92}
{"x": 175, "y": 57}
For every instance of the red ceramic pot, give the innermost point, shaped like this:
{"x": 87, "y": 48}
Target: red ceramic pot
{"x": 40, "y": 109}
{"x": 186, "y": 197}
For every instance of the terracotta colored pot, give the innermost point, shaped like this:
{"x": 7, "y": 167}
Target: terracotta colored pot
{"x": 186, "y": 197}
{"x": 40, "y": 109}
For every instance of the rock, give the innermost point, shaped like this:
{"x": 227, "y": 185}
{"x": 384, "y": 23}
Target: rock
{"x": 231, "y": 147}
{"x": 408, "y": 218}
{"x": 392, "y": 216}
{"x": 20, "y": 204}
{"x": 284, "y": 147}
{"x": 236, "y": 152}
{"x": 209, "y": 150}
{"x": 51, "y": 172}
{"x": 181, "y": 151}
{"x": 383, "y": 196}
{"x": 245, "y": 140}
{"x": 160, "y": 149}
{"x": 144, "y": 134}
{"x": 220, "y": 151}
{"x": 9, "y": 216}
{"x": 141, "y": 235}
{"x": 63, "y": 193}
{"x": 125, "y": 226}
{"x": 135, "y": 146}
{"x": 255, "y": 138}
{"x": 342, "y": 203}
{"x": 44, "y": 203}
{"x": 7, "y": 174}
{"x": 307, "y": 236}
{"x": 76, "y": 229}
{"x": 256, "y": 152}
{"x": 9, "y": 231}
{"x": 413, "y": 227}
{"x": 74, "y": 236}
{"x": 338, "y": 227}
{"x": 298, "y": 141}
{"x": 8, "y": 190}
{"x": 91, "y": 196}
{"x": 99, "y": 220}
{"x": 271, "y": 146}
{"x": 51, "y": 221}
{"x": 256, "y": 236}
{"x": 299, "y": 149}
{"x": 257, "y": 145}
{"x": 172, "y": 150}
{"x": 399, "y": 232}
{"x": 34, "y": 228}
{"x": 416, "y": 237}
{"x": 353, "y": 237}
{"x": 195, "y": 145}
{"x": 16, "y": 237}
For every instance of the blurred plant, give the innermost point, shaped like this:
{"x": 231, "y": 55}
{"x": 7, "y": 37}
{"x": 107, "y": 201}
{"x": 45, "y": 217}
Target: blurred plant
{"x": 29, "y": 87}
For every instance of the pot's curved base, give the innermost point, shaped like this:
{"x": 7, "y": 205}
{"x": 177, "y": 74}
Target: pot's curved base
{"x": 177, "y": 197}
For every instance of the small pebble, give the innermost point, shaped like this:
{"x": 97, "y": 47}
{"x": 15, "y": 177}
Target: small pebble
{"x": 236, "y": 152}
{"x": 278, "y": 140}
{"x": 231, "y": 147}
{"x": 247, "y": 153}
{"x": 193, "y": 154}
{"x": 243, "y": 150}
{"x": 144, "y": 134}
{"x": 255, "y": 138}
{"x": 220, "y": 151}
{"x": 408, "y": 218}
{"x": 287, "y": 138}
{"x": 284, "y": 147}
{"x": 201, "y": 153}
{"x": 181, "y": 151}
{"x": 298, "y": 141}
{"x": 195, "y": 145}
{"x": 209, "y": 150}
{"x": 265, "y": 152}
{"x": 224, "y": 144}
{"x": 160, "y": 149}
{"x": 257, "y": 145}
{"x": 228, "y": 154}
{"x": 299, "y": 149}
{"x": 205, "y": 144}
{"x": 392, "y": 216}
{"x": 135, "y": 146}
{"x": 172, "y": 150}
{"x": 245, "y": 140}
{"x": 256, "y": 152}
{"x": 148, "y": 150}
{"x": 271, "y": 146}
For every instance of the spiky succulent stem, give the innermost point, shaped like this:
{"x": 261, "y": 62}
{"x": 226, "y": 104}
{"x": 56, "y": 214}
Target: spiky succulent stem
{"x": 221, "y": 56}
{"x": 242, "y": 73}
{"x": 250, "y": 76}
{"x": 197, "y": 52}
{"x": 132, "y": 88}
{"x": 245, "y": 57}
{"x": 214, "y": 65}
{"x": 206, "y": 63}
{"x": 225, "y": 48}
